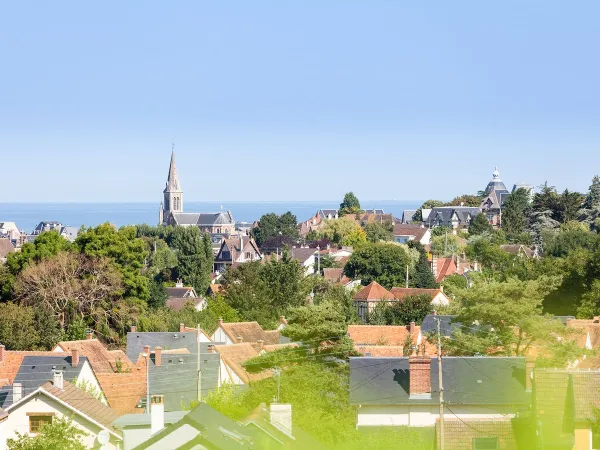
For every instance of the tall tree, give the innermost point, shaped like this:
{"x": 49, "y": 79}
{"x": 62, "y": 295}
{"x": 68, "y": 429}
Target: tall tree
{"x": 466, "y": 200}
{"x": 569, "y": 203}
{"x": 194, "y": 256}
{"x": 514, "y": 213}
{"x": 377, "y": 231}
{"x": 339, "y": 230}
{"x": 592, "y": 199}
{"x": 421, "y": 275}
{"x": 350, "y": 204}
{"x": 46, "y": 245}
{"x": 271, "y": 226}
{"x": 480, "y": 225}
{"x": 381, "y": 262}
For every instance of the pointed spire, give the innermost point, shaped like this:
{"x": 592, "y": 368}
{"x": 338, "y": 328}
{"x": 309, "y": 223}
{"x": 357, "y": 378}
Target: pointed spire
{"x": 173, "y": 179}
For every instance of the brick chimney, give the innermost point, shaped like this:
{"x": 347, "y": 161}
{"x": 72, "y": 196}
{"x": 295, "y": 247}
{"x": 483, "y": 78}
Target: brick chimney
{"x": 412, "y": 327}
{"x": 147, "y": 351}
{"x": 2, "y": 352}
{"x": 133, "y": 328}
{"x": 419, "y": 375}
{"x": 220, "y": 321}
{"x": 75, "y": 357}
{"x": 240, "y": 339}
{"x": 90, "y": 335}
{"x": 529, "y": 368}
{"x": 261, "y": 345}
{"x": 182, "y": 328}
{"x": 157, "y": 356}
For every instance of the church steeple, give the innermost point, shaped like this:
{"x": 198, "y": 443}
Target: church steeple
{"x": 173, "y": 195}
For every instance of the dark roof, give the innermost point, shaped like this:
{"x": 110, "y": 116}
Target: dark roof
{"x": 446, "y": 325}
{"x": 407, "y": 215}
{"x": 177, "y": 303}
{"x": 467, "y": 380}
{"x": 176, "y": 378}
{"x": 178, "y": 292}
{"x": 302, "y": 254}
{"x": 37, "y": 370}
{"x": 216, "y": 431}
{"x": 442, "y": 216}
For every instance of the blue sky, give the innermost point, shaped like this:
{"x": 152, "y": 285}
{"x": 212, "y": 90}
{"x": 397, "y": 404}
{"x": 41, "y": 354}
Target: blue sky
{"x": 277, "y": 100}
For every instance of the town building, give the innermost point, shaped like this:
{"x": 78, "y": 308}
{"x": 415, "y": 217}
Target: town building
{"x": 235, "y": 250}
{"x": 404, "y": 233}
{"x": 454, "y": 217}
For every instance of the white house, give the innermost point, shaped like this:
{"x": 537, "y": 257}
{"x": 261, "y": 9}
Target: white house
{"x": 404, "y": 233}
{"x": 3, "y": 419}
{"x": 59, "y": 398}
{"x": 9, "y": 230}
{"x": 306, "y": 257}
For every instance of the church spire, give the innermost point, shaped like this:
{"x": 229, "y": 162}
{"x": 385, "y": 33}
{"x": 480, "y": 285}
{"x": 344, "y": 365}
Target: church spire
{"x": 173, "y": 179}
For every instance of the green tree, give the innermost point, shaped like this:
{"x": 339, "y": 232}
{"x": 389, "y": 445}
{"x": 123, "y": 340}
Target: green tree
{"x": 445, "y": 245}
{"x": 569, "y": 203}
{"x": 377, "y": 231}
{"x": 421, "y": 276}
{"x": 514, "y": 213}
{"x": 381, "y": 262}
{"x": 127, "y": 252}
{"x": 158, "y": 294}
{"x": 592, "y": 199}
{"x": 412, "y": 308}
{"x": 339, "y": 230}
{"x": 491, "y": 257}
{"x": 194, "y": 255}
{"x": 161, "y": 257}
{"x": 429, "y": 204}
{"x": 590, "y": 213}
{"x": 356, "y": 237}
{"x": 45, "y": 246}
{"x": 285, "y": 283}
{"x": 61, "y": 433}
{"x": 17, "y": 327}
{"x": 480, "y": 225}
{"x": 271, "y": 225}
{"x": 466, "y": 200}
{"x": 546, "y": 199}
{"x": 350, "y": 204}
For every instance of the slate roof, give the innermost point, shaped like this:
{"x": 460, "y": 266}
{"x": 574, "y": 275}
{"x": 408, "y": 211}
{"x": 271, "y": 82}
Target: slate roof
{"x": 81, "y": 401}
{"x": 182, "y": 218}
{"x": 179, "y": 292}
{"x": 10, "y": 365}
{"x": 518, "y": 249}
{"x": 177, "y": 303}
{"x": 176, "y": 378}
{"x": 302, "y": 254}
{"x": 373, "y": 291}
{"x": 69, "y": 233}
{"x": 467, "y": 381}
{"x": 446, "y": 325}
{"x": 442, "y": 215}
{"x": 37, "y": 370}
{"x": 407, "y": 215}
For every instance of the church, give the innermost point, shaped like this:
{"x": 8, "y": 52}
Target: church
{"x": 171, "y": 209}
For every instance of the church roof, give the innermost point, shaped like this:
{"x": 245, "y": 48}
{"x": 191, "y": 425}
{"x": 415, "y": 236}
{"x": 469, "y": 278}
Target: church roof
{"x": 496, "y": 184}
{"x": 172, "y": 178}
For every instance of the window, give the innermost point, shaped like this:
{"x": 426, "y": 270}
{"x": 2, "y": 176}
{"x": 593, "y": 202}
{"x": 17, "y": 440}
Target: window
{"x": 248, "y": 255}
{"x": 36, "y": 420}
{"x": 487, "y": 443}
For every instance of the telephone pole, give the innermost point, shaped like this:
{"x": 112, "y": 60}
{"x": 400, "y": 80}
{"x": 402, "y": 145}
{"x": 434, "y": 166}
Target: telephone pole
{"x": 407, "y": 276}
{"x": 199, "y": 373}
{"x": 441, "y": 385}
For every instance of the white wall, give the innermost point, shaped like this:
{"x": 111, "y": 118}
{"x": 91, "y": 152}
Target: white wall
{"x": 220, "y": 336}
{"x": 227, "y": 375}
{"x": 88, "y": 377}
{"x": 422, "y": 415}
{"x": 18, "y": 421}
{"x": 3, "y": 431}
{"x": 440, "y": 299}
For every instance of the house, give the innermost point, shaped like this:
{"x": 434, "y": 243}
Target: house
{"x": 485, "y": 393}
{"x": 236, "y": 250}
{"x": 24, "y": 373}
{"x": 336, "y": 276}
{"x": 3, "y": 431}
{"x": 369, "y": 297}
{"x": 495, "y": 196}
{"x": 306, "y": 257}
{"x": 180, "y": 296}
{"x": 6, "y": 247}
{"x": 407, "y": 216}
{"x": 59, "y": 398}
{"x": 69, "y": 233}
{"x": 442, "y": 268}
{"x": 447, "y": 324}
{"x": 373, "y": 216}
{"x": 564, "y": 404}
{"x": 47, "y": 226}
{"x": 239, "y": 332}
{"x": 174, "y": 358}
{"x": 205, "y": 428}
{"x": 437, "y": 295}
{"x": 171, "y": 209}
{"x": 404, "y": 233}
{"x": 522, "y": 251}
{"x": 181, "y": 291}
{"x": 326, "y": 214}
{"x": 100, "y": 358}
{"x": 10, "y": 231}
{"x": 388, "y": 340}
{"x": 454, "y": 217}
{"x": 233, "y": 357}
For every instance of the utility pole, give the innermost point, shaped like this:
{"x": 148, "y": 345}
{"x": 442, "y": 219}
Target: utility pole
{"x": 407, "y": 276}
{"x": 318, "y": 259}
{"x": 446, "y": 242}
{"x": 441, "y": 386}
{"x": 148, "y": 383}
{"x": 199, "y": 372}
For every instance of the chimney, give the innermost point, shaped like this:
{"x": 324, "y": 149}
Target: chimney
{"x": 75, "y": 357}
{"x": 182, "y": 328}
{"x": 133, "y": 328}
{"x": 529, "y": 368}
{"x": 90, "y": 335}
{"x": 57, "y": 379}
{"x": 2, "y": 352}
{"x": 220, "y": 321}
{"x": 157, "y": 356}
{"x": 157, "y": 413}
{"x": 412, "y": 327}
{"x": 419, "y": 376}
{"x": 17, "y": 392}
{"x": 280, "y": 415}
{"x": 261, "y": 345}
{"x": 442, "y": 287}
{"x": 147, "y": 351}
{"x": 179, "y": 283}
{"x": 240, "y": 339}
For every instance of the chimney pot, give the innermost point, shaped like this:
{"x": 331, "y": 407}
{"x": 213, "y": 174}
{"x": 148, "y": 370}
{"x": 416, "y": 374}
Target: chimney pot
{"x": 220, "y": 321}
{"x": 182, "y": 328}
{"x": 90, "y": 335}
{"x": 412, "y": 327}
{"x": 147, "y": 351}
{"x": 211, "y": 348}
{"x": 17, "y": 392}
{"x": 57, "y": 379}
{"x": 179, "y": 283}
{"x": 240, "y": 339}
{"x": 75, "y": 357}
{"x": 133, "y": 328}
{"x": 157, "y": 356}
{"x": 261, "y": 344}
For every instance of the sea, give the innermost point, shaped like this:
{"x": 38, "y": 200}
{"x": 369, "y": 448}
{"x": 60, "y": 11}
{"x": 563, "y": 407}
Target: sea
{"x": 28, "y": 215}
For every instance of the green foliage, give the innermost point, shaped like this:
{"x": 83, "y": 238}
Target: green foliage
{"x": 271, "y": 225}
{"x": 322, "y": 327}
{"x": 381, "y": 262}
{"x": 421, "y": 276}
{"x": 515, "y": 211}
{"x": 412, "y": 308}
{"x": 161, "y": 257}
{"x": 466, "y": 200}
{"x": 195, "y": 256}
{"x": 441, "y": 231}
{"x": 77, "y": 330}
{"x": 592, "y": 199}
{"x": 127, "y": 252}
{"x": 355, "y": 238}
{"x": 445, "y": 245}
{"x": 480, "y": 225}
{"x": 45, "y": 246}
{"x": 350, "y": 204}
{"x": 342, "y": 231}
{"x": 62, "y": 433}
{"x": 491, "y": 257}
{"x": 17, "y": 327}
{"x": 158, "y": 294}
{"x": 429, "y": 204}
{"x": 377, "y": 231}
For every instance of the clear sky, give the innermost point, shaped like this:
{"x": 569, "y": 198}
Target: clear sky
{"x": 293, "y": 100}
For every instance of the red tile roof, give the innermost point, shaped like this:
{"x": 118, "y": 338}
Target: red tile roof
{"x": 400, "y": 293}
{"x": 445, "y": 267}
{"x": 374, "y": 291}
{"x": 101, "y": 359}
{"x": 249, "y": 332}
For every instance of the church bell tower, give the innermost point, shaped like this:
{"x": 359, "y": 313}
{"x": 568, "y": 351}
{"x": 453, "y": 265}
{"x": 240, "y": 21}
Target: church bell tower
{"x": 173, "y": 195}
